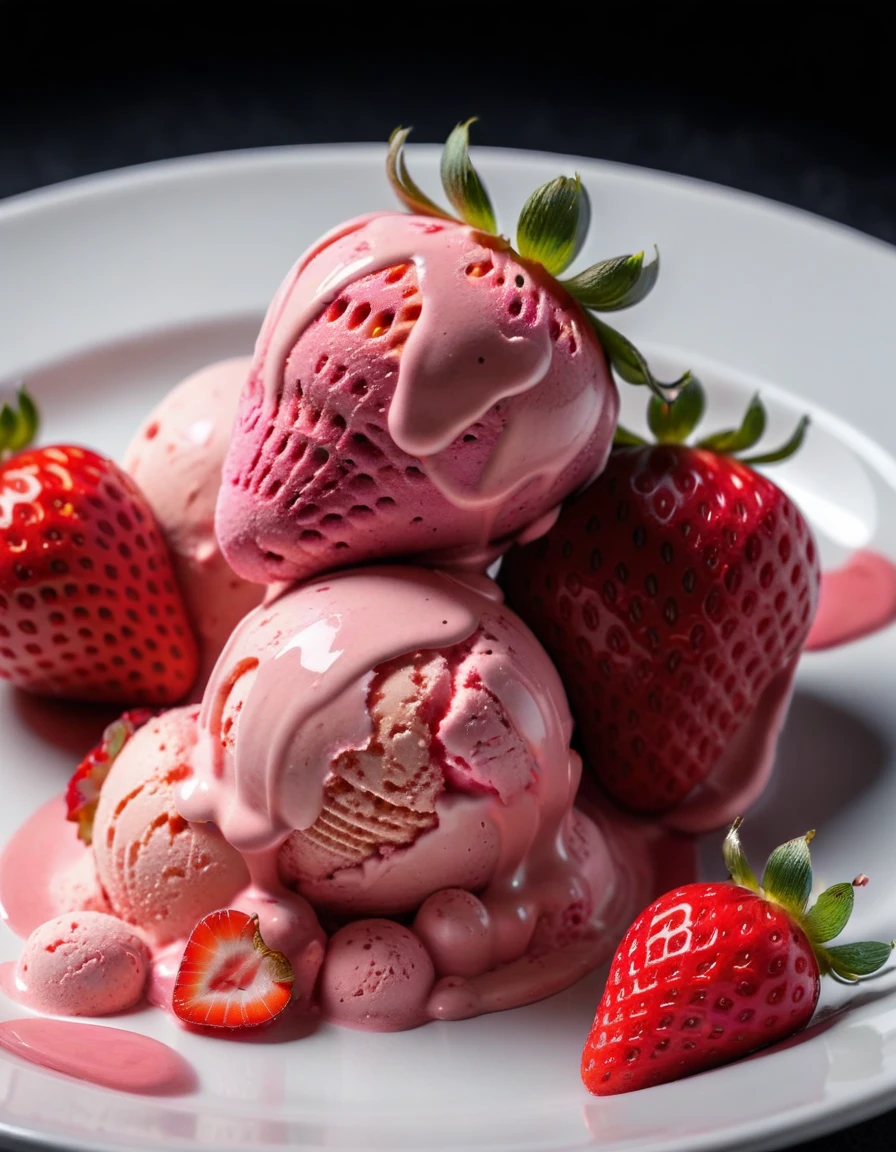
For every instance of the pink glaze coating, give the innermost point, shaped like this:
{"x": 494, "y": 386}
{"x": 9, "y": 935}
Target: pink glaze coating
{"x": 44, "y": 848}
{"x": 159, "y": 872}
{"x": 856, "y": 600}
{"x": 82, "y": 964}
{"x": 472, "y": 790}
{"x": 377, "y": 977}
{"x": 176, "y": 457}
{"x": 416, "y": 390}
{"x": 110, "y": 1057}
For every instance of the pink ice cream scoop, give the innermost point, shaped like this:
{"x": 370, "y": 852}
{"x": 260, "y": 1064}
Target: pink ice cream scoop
{"x": 82, "y": 964}
{"x": 176, "y": 457}
{"x": 388, "y": 736}
{"x": 417, "y": 390}
{"x": 377, "y": 977}
{"x": 158, "y": 871}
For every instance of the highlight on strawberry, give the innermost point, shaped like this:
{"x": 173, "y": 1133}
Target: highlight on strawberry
{"x": 675, "y": 594}
{"x": 713, "y": 971}
{"x": 89, "y": 604}
{"x": 228, "y": 977}
{"x": 83, "y": 792}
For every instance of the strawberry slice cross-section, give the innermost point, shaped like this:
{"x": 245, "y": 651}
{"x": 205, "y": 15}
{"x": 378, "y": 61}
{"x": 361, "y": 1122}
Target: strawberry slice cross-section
{"x": 228, "y": 977}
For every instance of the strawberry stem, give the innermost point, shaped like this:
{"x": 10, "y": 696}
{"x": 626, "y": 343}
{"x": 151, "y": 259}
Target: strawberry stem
{"x": 787, "y": 881}
{"x": 551, "y": 232}
{"x": 674, "y": 411}
{"x": 19, "y": 424}
{"x": 463, "y": 187}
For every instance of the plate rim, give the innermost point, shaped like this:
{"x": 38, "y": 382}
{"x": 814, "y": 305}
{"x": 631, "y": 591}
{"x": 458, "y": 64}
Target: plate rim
{"x": 58, "y": 196}
{"x": 176, "y": 168}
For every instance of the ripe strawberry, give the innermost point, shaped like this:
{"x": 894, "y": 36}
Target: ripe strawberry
{"x": 670, "y": 593}
{"x": 314, "y": 478}
{"x": 89, "y": 606}
{"x": 228, "y": 977}
{"x": 83, "y": 792}
{"x": 710, "y": 972}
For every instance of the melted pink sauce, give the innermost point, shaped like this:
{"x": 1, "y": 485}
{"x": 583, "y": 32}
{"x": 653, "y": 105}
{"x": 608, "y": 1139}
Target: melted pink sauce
{"x": 45, "y": 844}
{"x": 857, "y": 600}
{"x": 110, "y": 1057}
{"x": 442, "y": 388}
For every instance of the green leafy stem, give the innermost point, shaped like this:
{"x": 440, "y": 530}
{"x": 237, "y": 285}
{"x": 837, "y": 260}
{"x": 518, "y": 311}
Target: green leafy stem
{"x": 551, "y": 231}
{"x": 787, "y": 881}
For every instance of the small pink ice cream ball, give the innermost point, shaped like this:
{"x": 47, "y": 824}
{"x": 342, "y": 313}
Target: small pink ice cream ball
{"x": 82, "y": 964}
{"x": 456, "y": 929}
{"x": 159, "y": 871}
{"x": 376, "y": 976}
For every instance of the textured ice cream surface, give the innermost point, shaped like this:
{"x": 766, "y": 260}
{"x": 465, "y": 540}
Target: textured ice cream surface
{"x": 377, "y": 977}
{"x": 77, "y": 887}
{"x": 176, "y": 457}
{"x": 389, "y": 731}
{"x": 415, "y": 391}
{"x": 438, "y": 736}
{"x": 82, "y": 964}
{"x": 160, "y": 872}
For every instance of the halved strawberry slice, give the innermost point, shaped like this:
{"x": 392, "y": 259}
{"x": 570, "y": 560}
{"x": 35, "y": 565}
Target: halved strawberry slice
{"x": 229, "y": 978}
{"x": 83, "y": 792}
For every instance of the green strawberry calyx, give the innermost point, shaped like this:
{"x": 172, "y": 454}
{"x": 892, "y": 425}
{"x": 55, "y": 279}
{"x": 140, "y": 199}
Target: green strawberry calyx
{"x": 551, "y": 231}
{"x": 673, "y": 421}
{"x": 19, "y": 423}
{"x": 787, "y": 882}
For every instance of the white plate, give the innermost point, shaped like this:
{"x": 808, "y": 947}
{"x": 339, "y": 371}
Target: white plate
{"x": 113, "y": 288}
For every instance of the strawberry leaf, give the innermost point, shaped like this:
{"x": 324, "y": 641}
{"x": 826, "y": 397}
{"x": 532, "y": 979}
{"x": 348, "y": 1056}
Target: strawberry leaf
{"x": 630, "y": 365}
{"x": 739, "y": 439}
{"x": 553, "y": 224}
{"x": 7, "y": 426}
{"x": 672, "y": 422}
{"x": 736, "y": 859}
{"x": 828, "y": 917}
{"x": 851, "y": 961}
{"x": 787, "y": 878}
{"x": 622, "y": 438}
{"x": 407, "y": 191}
{"x": 462, "y": 184}
{"x": 611, "y": 285}
{"x": 785, "y": 451}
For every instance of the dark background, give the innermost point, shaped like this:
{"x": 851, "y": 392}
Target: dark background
{"x": 793, "y": 101}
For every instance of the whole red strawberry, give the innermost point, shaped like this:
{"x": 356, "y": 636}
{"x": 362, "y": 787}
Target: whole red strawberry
{"x": 710, "y": 972}
{"x": 672, "y": 594}
{"x": 89, "y": 607}
{"x": 422, "y": 388}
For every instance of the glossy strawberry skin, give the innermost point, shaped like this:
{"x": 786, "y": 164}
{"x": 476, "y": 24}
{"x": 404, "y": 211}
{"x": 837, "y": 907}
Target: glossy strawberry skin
{"x": 89, "y": 605}
{"x": 705, "y": 975}
{"x": 669, "y": 593}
